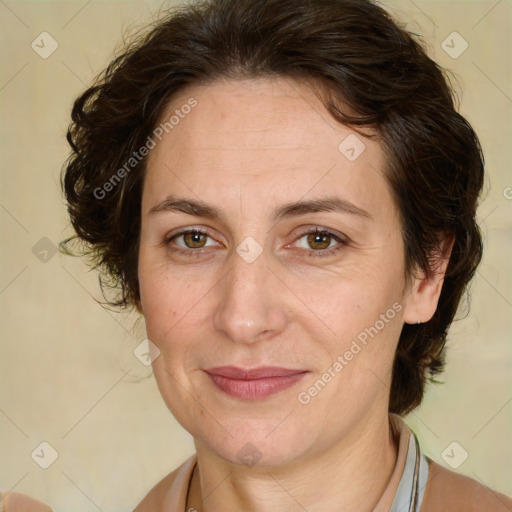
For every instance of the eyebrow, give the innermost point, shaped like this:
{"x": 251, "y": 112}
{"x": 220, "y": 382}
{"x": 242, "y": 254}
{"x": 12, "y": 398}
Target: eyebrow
{"x": 201, "y": 209}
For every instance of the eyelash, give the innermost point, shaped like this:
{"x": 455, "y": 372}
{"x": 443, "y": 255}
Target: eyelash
{"x": 319, "y": 253}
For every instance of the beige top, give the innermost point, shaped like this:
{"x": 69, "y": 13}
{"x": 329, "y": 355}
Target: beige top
{"x": 446, "y": 491}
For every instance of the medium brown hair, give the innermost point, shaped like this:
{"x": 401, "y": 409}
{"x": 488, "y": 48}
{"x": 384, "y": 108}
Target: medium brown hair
{"x": 371, "y": 73}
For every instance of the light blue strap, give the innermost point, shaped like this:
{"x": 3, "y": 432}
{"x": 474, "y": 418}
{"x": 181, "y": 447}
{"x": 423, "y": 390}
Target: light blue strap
{"x": 423, "y": 477}
{"x": 404, "y": 493}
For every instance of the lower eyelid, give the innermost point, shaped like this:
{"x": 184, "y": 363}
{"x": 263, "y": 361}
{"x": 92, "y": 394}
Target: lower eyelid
{"x": 341, "y": 244}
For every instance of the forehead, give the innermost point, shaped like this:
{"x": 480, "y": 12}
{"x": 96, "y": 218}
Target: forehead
{"x": 273, "y": 136}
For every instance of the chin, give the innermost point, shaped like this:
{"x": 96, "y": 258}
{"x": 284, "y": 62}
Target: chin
{"x": 256, "y": 443}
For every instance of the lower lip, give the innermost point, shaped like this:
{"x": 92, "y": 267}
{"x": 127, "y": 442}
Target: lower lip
{"x": 255, "y": 389}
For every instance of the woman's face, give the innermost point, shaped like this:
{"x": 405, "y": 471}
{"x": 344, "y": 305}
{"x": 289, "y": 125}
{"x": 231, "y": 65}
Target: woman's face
{"x": 257, "y": 165}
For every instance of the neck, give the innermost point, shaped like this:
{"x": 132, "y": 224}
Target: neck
{"x": 348, "y": 476}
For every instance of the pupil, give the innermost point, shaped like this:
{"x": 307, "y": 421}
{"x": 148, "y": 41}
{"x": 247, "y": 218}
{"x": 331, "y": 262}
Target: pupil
{"x": 193, "y": 239}
{"x": 317, "y": 239}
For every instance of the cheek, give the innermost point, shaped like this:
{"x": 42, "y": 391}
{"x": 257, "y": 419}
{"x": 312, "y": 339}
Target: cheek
{"x": 159, "y": 299}
{"x": 357, "y": 322}
{"x": 174, "y": 307}
{"x": 168, "y": 307}
{"x": 346, "y": 305}
{"x": 358, "y": 358}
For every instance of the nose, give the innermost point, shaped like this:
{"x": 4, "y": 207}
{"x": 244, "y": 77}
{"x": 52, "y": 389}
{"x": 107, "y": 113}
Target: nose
{"x": 249, "y": 305}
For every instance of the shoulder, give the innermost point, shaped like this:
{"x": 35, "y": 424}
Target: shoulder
{"x": 17, "y": 502}
{"x": 448, "y": 491}
{"x": 170, "y": 493}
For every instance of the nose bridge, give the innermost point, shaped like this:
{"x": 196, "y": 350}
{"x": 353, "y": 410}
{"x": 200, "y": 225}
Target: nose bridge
{"x": 247, "y": 304}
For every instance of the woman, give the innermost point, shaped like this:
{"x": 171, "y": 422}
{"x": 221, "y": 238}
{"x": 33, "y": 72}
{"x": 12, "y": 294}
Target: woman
{"x": 285, "y": 191}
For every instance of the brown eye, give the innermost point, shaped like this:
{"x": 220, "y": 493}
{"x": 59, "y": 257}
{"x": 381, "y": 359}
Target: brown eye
{"x": 319, "y": 241}
{"x": 188, "y": 240}
{"x": 194, "y": 239}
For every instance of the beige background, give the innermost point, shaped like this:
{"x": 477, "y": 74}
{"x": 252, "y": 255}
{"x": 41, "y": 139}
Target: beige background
{"x": 68, "y": 374}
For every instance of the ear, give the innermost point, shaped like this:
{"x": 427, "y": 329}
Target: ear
{"x": 424, "y": 292}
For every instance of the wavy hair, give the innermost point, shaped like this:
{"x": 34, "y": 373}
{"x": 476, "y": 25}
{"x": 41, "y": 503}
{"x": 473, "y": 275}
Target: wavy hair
{"x": 370, "y": 72}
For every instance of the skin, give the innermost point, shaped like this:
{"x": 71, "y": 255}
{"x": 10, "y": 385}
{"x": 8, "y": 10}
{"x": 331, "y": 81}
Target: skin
{"x": 17, "y": 502}
{"x": 247, "y": 148}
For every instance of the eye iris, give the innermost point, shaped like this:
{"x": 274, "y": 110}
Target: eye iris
{"x": 192, "y": 239}
{"x": 316, "y": 238}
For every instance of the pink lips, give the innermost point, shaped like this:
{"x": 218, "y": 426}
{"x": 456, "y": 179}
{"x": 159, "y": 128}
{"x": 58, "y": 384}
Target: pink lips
{"x": 255, "y": 383}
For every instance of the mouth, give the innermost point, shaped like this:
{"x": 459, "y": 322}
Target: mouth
{"x": 254, "y": 383}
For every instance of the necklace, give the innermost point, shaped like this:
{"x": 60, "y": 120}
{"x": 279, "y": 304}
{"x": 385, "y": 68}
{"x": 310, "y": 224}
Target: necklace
{"x": 415, "y": 478}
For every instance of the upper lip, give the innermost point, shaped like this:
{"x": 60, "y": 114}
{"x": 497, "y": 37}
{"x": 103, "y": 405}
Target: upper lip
{"x": 261, "y": 372}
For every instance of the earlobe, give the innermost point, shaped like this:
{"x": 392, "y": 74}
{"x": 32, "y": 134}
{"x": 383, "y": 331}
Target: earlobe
{"x": 421, "y": 302}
